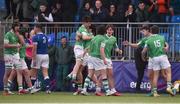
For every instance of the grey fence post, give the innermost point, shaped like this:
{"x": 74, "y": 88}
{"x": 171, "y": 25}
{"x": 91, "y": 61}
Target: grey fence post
{"x": 173, "y": 43}
{"x": 129, "y": 27}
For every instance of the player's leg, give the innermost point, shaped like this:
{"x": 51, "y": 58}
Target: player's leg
{"x": 110, "y": 78}
{"x": 154, "y": 83}
{"x": 105, "y": 82}
{"x": 45, "y": 66}
{"x": 26, "y": 75}
{"x": 87, "y": 81}
{"x": 111, "y": 82}
{"x": 167, "y": 68}
{"x": 76, "y": 68}
{"x": 5, "y": 81}
{"x": 78, "y": 51}
{"x": 19, "y": 71}
{"x": 46, "y": 79}
{"x": 33, "y": 74}
{"x": 169, "y": 84}
{"x": 35, "y": 65}
{"x": 79, "y": 81}
{"x": 156, "y": 69}
{"x": 163, "y": 74}
{"x": 8, "y": 69}
{"x": 98, "y": 82}
{"x": 11, "y": 78}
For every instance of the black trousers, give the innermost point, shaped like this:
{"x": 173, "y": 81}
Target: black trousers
{"x": 140, "y": 66}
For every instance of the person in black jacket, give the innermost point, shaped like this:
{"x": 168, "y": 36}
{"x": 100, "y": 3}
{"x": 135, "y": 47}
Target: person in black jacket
{"x": 57, "y": 12}
{"x": 44, "y": 15}
{"x": 112, "y": 14}
{"x": 63, "y": 58}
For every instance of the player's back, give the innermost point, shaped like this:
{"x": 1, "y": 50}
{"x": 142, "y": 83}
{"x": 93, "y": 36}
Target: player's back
{"x": 95, "y": 45}
{"x": 42, "y": 43}
{"x": 155, "y": 45}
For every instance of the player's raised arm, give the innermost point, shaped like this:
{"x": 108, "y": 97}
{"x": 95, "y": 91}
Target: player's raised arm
{"x": 134, "y": 45}
{"x": 86, "y": 37}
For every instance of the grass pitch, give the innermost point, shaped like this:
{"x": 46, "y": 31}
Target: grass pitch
{"x": 66, "y": 97}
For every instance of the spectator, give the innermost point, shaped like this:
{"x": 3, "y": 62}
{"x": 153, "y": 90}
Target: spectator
{"x": 63, "y": 57}
{"x": 27, "y": 11}
{"x": 163, "y": 9}
{"x": 141, "y": 13}
{"x": 99, "y": 14}
{"x": 112, "y": 14}
{"x": 44, "y": 15}
{"x": 122, "y": 6}
{"x": 86, "y": 10}
{"x": 130, "y": 15}
{"x": 29, "y": 47}
{"x": 153, "y": 10}
{"x": 57, "y": 12}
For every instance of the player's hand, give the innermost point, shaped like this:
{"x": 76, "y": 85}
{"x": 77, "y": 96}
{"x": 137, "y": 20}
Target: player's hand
{"x": 126, "y": 43}
{"x": 18, "y": 45}
{"x": 43, "y": 14}
{"x": 105, "y": 62}
{"x": 120, "y": 52}
{"x": 36, "y": 18}
{"x": 166, "y": 49}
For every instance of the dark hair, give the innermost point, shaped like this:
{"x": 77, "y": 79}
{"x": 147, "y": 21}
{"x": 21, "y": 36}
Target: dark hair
{"x": 154, "y": 29}
{"x": 145, "y": 27}
{"x": 86, "y": 19}
{"x": 43, "y": 4}
{"x": 23, "y": 31}
{"x": 63, "y": 37}
{"x": 15, "y": 24}
{"x": 38, "y": 26}
{"x": 100, "y": 30}
{"x": 109, "y": 26}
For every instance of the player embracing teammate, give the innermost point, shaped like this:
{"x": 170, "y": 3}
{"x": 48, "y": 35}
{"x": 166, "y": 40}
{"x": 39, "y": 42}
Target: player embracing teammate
{"x": 155, "y": 46}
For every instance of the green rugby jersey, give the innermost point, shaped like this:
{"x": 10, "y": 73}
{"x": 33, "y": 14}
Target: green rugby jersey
{"x": 142, "y": 42}
{"x": 111, "y": 42}
{"x": 11, "y": 38}
{"x": 155, "y": 45}
{"x": 96, "y": 43}
{"x": 82, "y": 29}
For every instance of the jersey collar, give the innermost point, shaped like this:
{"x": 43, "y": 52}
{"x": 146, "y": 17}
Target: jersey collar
{"x": 108, "y": 36}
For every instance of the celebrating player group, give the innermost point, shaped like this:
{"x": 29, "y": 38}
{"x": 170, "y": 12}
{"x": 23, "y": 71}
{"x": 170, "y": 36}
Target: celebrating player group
{"x": 92, "y": 49}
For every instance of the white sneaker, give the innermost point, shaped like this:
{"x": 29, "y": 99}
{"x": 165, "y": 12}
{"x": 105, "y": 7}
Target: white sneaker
{"x": 77, "y": 92}
{"x": 34, "y": 90}
{"x": 10, "y": 92}
{"x": 169, "y": 90}
{"x": 84, "y": 93}
{"x": 48, "y": 91}
{"x": 109, "y": 93}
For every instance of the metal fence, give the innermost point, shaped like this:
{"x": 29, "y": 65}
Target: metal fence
{"x": 123, "y": 31}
